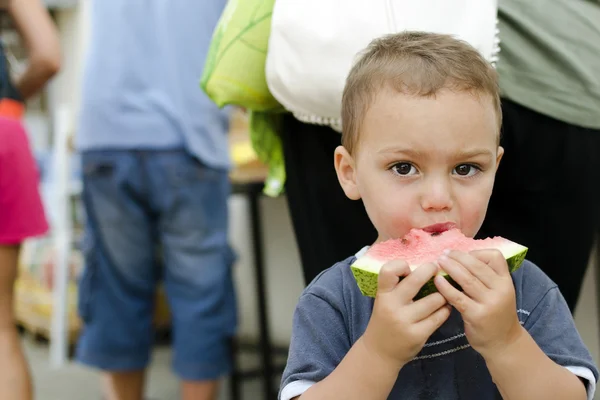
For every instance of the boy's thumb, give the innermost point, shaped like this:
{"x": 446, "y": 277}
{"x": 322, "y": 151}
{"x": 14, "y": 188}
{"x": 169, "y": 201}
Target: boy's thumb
{"x": 390, "y": 274}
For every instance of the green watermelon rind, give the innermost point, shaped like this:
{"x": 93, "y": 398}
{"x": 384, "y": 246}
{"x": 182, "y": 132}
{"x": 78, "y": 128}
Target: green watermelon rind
{"x": 367, "y": 280}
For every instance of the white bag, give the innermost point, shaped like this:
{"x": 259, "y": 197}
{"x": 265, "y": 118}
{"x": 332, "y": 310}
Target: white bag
{"x": 314, "y": 43}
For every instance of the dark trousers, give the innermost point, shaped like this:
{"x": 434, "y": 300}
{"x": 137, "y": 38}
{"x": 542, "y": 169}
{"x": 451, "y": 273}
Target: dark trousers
{"x": 545, "y": 196}
{"x": 328, "y": 226}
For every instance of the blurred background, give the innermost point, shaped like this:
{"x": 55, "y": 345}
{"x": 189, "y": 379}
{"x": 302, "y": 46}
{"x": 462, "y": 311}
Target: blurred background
{"x": 50, "y": 120}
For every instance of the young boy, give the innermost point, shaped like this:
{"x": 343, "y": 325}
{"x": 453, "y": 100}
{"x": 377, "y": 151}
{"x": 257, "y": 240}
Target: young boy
{"x": 421, "y": 116}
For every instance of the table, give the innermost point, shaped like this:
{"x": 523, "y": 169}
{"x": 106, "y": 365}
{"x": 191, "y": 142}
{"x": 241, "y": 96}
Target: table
{"x": 252, "y": 190}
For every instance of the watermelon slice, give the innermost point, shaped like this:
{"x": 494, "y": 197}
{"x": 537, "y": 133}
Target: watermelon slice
{"x": 419, "y": 247}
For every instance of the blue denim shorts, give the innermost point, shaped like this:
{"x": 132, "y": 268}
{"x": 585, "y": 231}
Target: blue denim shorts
{"x": 156, "y": 216}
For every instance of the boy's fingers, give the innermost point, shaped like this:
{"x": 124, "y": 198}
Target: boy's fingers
{"x": 494, "y": 259}
{"x": 479, "y": 269}
{"x": 423, "y": 308}
{"x": 433, "y": 322}
{"x": 455, "y": 297}
{"x": 390, "y": 273}
{"x": 410, "y": 286}
{"x": 462, "y": 275}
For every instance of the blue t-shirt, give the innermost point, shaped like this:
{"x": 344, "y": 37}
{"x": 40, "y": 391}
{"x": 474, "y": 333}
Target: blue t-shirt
{"x": 141, "y": 79}
{"x": 332, "y": 315}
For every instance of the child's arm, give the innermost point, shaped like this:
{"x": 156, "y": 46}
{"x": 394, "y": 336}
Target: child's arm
{"x": 523, "y": 371}
{"x": 370, "y": 369}
{"x": 517, "y": 364}
{"x": 360, "y": 375}
{"x": 41, "y": 41}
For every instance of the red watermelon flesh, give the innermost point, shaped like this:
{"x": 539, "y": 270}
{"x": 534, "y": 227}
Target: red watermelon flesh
{"x": 419, "y": 247}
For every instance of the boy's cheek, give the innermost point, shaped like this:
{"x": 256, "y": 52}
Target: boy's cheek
{"x": 473, "y": 217}
{"x": 392, "y": 225}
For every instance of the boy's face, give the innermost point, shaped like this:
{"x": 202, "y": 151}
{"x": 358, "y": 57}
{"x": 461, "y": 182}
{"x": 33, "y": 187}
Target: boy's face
{"x": 424, "y": 161}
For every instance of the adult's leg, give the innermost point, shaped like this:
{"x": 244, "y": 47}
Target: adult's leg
{"x": 118, "y": 285}
{"x": 15, "y": 379}
{"x": 191, "y": 200}
{"x": 123, "y": 385}
{"x": 328, "y": 226}
{"x": 546, "y": 194}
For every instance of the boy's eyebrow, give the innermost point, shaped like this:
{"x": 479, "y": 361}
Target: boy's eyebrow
{"x": 468, "y": 153}
{"x": 398, "y": 150}
{"x": 475, "y": 152}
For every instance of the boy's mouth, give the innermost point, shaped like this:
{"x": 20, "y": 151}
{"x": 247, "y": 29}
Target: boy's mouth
{"x": 439, "y": 228}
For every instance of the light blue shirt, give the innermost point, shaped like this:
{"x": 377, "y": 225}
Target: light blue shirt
{"x": 141, "y": 80}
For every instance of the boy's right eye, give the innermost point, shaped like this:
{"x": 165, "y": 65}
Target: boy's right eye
{"x": 404, "y": 169}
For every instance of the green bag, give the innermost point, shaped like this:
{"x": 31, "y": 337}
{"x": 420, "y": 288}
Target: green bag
{"x": 268, "y": 147}
{"x": 234, "y": 72}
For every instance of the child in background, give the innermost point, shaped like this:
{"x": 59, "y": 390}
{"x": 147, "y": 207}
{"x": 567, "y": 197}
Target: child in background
{"x": 21, "y": 211}
{"x": 420, "y": 147}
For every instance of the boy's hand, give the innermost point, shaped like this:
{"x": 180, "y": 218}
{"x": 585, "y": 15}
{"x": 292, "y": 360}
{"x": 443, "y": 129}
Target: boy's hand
{"x": 488, "y": 304}
{"x": 399, "y": 326}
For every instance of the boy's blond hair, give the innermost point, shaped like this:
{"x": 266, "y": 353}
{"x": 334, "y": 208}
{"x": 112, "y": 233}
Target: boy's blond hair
{"x": 417, "y": 64}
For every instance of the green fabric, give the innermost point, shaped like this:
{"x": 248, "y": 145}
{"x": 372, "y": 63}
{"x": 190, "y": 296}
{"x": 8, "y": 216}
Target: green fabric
{"x": 269, "y": 149}
{"x": 235, "y": 68}
{"x": 550, "y": 57}
{"x": 234, "y": 74}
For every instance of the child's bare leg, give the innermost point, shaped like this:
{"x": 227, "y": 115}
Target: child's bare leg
{"x": 15, "y": 380}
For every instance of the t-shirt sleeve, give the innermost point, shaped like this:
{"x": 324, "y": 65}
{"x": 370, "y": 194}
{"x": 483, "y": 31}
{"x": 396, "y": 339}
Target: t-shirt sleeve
{"x": 552, "y": 327}
{"x": 319, "y": 342}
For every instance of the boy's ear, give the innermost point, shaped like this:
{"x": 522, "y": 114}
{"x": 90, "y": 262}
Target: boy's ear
{"x": 499, "y": 155}
{"x": 345, "y": 169}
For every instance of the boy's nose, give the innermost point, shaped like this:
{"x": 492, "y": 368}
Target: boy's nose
{"x": 437, "y": 196}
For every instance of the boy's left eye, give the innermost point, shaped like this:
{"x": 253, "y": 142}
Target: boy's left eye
{"x": 466, "y": 170}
